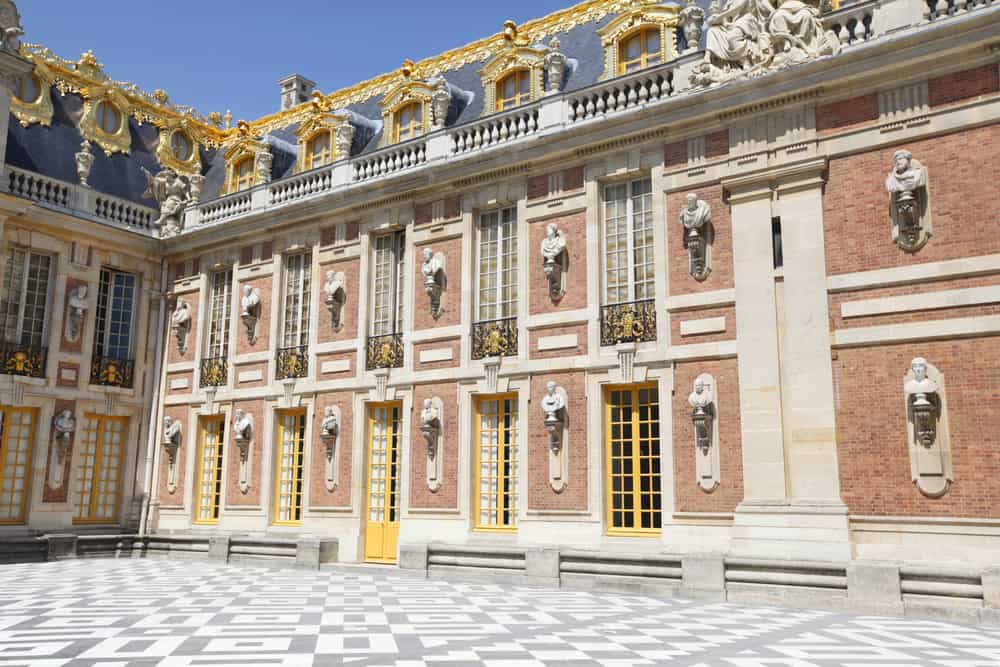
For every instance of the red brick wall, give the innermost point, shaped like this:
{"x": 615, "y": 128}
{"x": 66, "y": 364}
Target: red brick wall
{"x": 349, "y": 313}
{"x": 729, "y": 312}
{"x": 675, "y": 155}
{"x": 574, "y": 229}
{"x": 188, "y": 448}
{"x": 717, "y": 144}
{"x": 961, "y": 86}
{"x": 318, "y": 494}
{"x": 50, "y": 495}
{"x": 540, "y": 494}
{"x": 64, "y": 344}
{"x": 451, "y": 295}
{"x": 447, "y": 496}
{"x": 688, "y": 496}
{"x": 581, "y": 342}
{"x": 174, "y": 354}
{"x": 261, "y": 438}
{"x": 872, "y": 428}
{"x": 847, "y": 114}
{"x": 680, "y": 279}
{"x": 965, "y": 203}
{"x": 243, "y": 345}
{"x": 454, "y": 344}
{"x": 348, "y": 356}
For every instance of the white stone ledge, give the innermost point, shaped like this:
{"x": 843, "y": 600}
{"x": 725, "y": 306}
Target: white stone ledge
{"x": 972, "y": 296}
{"x": 930, "y": 330}
{"x": 722, "y": 297}
{"x": 704, "y": 326}
{"x": 566, "y": 341}
{"x": 436, "y": 354}
{"x": 565, "y": 318}
{"x": 929, "y": 271}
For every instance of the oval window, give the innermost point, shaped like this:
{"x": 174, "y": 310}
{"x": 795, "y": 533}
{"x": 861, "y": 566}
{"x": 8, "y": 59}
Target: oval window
{"x": 29, "y": 89}
{"x": 181, "y": 145}
{"x": 109, "y": 119}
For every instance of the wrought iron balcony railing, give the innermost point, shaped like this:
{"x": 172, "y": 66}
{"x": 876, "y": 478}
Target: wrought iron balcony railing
{"x": 494, "y": 338}
{"x": 385, "y": 351}
{"x": 292, "y": 362}
{"x": 26, "y": 360}
{"x": 214, "y": 372}
{"x": 633, "y": 322}
{"x": 111, "y": 372}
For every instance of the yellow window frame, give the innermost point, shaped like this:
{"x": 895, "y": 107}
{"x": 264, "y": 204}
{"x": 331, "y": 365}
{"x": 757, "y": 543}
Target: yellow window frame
{"x": 4, "y": 449}
{"x": 325, "y": 157}
{"x": 519, "y": 98}
{"x": 635, "y": 457}
{"x": 102, "y": 422}
{"x": 501, "y": 504}
{"x": 295, "y": 505}
{"x": 246, "y": 182}
{"x": 211, "y": 501}
{"x": 414, "y": 128}
{"x": 644, "y": 56}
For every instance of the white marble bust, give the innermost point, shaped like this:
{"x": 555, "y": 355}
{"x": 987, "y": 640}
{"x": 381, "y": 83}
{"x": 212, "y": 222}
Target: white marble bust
{"x": 701, "y": 397}
{"x": 431, "y": 266}
{"x": 906, "y": 177}
{"x": 181, "y": 315}
{"x": 171, "y": 431}
{"x": 250, "y": 300}
{"x": 334, "y": 284}
{"x": 553, "y": 244}
{"x": 330, "y": 426}
{"x": 695, "y": 213}
{"x": 65, "y": 425}
{"x": 243, "y": 426}
{"x": 921, "y": 385}
{"x": 552, "y": 402}
{"x": 429, "y": 415}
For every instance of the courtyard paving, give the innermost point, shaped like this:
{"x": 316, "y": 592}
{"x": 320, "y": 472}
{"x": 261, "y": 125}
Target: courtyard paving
{"x": 120, "y": 613}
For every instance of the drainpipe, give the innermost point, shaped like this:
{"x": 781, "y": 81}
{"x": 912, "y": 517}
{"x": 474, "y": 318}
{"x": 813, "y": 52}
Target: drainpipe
{"x": 155, "y": 407}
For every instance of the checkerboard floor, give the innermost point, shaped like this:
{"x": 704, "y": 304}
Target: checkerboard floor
{"x": 112, "y": 613}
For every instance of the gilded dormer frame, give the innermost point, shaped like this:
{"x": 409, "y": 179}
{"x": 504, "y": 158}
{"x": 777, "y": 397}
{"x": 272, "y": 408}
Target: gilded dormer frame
{"x": 41, "y": 110}
{"x": 243, "y": 147}
{"x": 119, "y": 141}
{"x": 336, "y": 124}
{"x": 433, "y": 96}
{"x": 509, "y": 61}
{"x": 641, "y": 14}
{"x": 165, "y": 150}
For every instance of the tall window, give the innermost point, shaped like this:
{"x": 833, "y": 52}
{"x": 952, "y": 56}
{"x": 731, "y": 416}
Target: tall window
{"x": 410, "y": 121}
{"x": 387, "y": 297}
{"x": 291, "y": 447}
{"x": 109, "y": 119}
{"x": 16, "y": 428}
{"x": 242, "y": 177}
{"x": 295, "y": 328}
{"x": 25, "y": 298}
{"x": 628, "y": 241}
{"x": 496, "y": 499}
{"x": 99, "y": 483}
{"x": 213, "y": 434}
{"x": 632, "y": 466}
{"x": 221, "y": 314}
{"x": 318, "y": 150}
{"x": 115, "y": 315}
{"x": 514, "y": 90}
{"x": 498, "y": 265}
{"x": 639, "y": 50}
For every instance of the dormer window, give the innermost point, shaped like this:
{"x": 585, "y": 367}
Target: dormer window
{"x": 32, "y": 98}
{"x": 639, "y": 50}
{"x": 514, "y": 90}
{"x": 181, "y": 145}
{"x": 409, "y": 122}
{"x": 243, "y": 175}
{"x": 642, "y": 36}
{"x": 324, "y": 137}
{"x": 248, "y": 161}
{"x": 319, "y": 150}
{"x": 109, "y": 119}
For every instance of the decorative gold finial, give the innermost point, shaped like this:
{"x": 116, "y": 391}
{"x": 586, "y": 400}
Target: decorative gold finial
{"x": 319, "y": 103}
{"x": 229, "y": 119}
{"x": 243, "y": 128}
{"x": 161, "y": 96}
{"x": 407, "y": 68}
{"x": 88, "y": 59}
{"x": 510, "y": 31}
{"x": 215, "y": 118}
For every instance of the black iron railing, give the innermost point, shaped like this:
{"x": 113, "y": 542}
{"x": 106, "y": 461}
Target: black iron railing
{"x": 633, "y": 322}
{"x": 26, "y": 360}
{"x": 111, "y": 372}
{"x": 214, "y": 372}
{"x": 292, "y": 362}
{"x": 494, "y": 338}
{"x": 385, "y": 351}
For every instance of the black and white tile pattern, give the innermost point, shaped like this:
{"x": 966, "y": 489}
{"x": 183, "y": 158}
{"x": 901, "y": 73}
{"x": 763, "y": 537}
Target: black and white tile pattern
{"x": 107, "y": 613}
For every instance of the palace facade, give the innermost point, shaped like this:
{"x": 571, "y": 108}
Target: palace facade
{"x": 634, "y": 277}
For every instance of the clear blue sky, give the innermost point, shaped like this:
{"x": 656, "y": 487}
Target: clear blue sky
{"x": 224, "y": 54}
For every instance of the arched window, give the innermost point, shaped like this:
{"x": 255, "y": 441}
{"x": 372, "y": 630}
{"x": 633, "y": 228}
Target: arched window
{"x": 513, "y": 90}
{"x": 318, "y": 150}
{"x": 29, "y": 89}
{"x": 639, "y": 50}
{"x": 409, "y": 122}
{"x": 181, "y": 145}
{"x": 243, "y": 174}
{"x": 109, "y": 119}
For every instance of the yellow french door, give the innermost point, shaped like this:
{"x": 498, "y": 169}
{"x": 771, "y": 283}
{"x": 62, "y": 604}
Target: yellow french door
{"x": 17, "y": 427}
{"x": 382, "y": 524}
{"x": 209, "y": 489}
{"x": 632, "y": 464}
{"x": 497, "y": 460}
{"x": 99, "y": 481}
{"x": 289, "y": 469}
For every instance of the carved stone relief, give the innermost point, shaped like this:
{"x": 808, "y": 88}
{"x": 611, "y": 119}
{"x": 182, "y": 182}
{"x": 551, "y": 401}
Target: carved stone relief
{"x": 173, "y": 194}
{"x": 704, "y": 417}
{"x": 250, "y": 312}
{"x": 76, "y": 312}
{"x": 554, "y": 260}
{"x": 556, "y": 424}
{"x": 927, "y": 429}
{"x": 63, "y": 428}
{"x": 335, "y": 295}
{"x": 180, "y": 324}
{"x": 329, "y": 434}
{"x": 692, "y": 17}
{"x": 430, "y": 430}
{"x": 696, "y": 220}
{"x": 171, "y": 444}
{"x": 909, "y": 208}
{"x": 243, "y": 436}
{"x": 432, "y": 268}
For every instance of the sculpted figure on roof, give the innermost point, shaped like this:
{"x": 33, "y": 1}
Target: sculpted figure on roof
{"x": 10, "y": 26}
{"x": 172, "y": 193}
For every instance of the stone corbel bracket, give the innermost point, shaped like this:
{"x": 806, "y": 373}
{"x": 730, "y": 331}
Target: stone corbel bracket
{"x": 335, "y": 297}
{"x": 243, "y": 432}
{"x": 430, "y": 430}
{"x": 329, "y": 435}
{"x": 557, "y": 426}
{"x": 705, "y": 419}
{"x": 433, "y": 270}
{"x": 927, "y": 430}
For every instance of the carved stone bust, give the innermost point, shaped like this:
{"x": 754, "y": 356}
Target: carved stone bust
{"x": 553, "y": 403}
{"x": 908, "y": 201}
{"x": 330, "y": 426}
{"x": 921, "y": 385}
{"x": 553, "y": 244}
{"x": 180, "y": 323}
{"x": 64, "y": 425}
{"x": 695, "y": 213}
{"x": 431, "y": 266}
{"x": 250, "y": 301}
{"x": 333, "y": 287}
{"x": 77, "y": 310}
{"x": 429, "y": 415}
{"x": 243, "y": 426}
{"x": 171, "y": 432}
{"x": 10, "y": 26}
{"x": 701, "y": 397}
